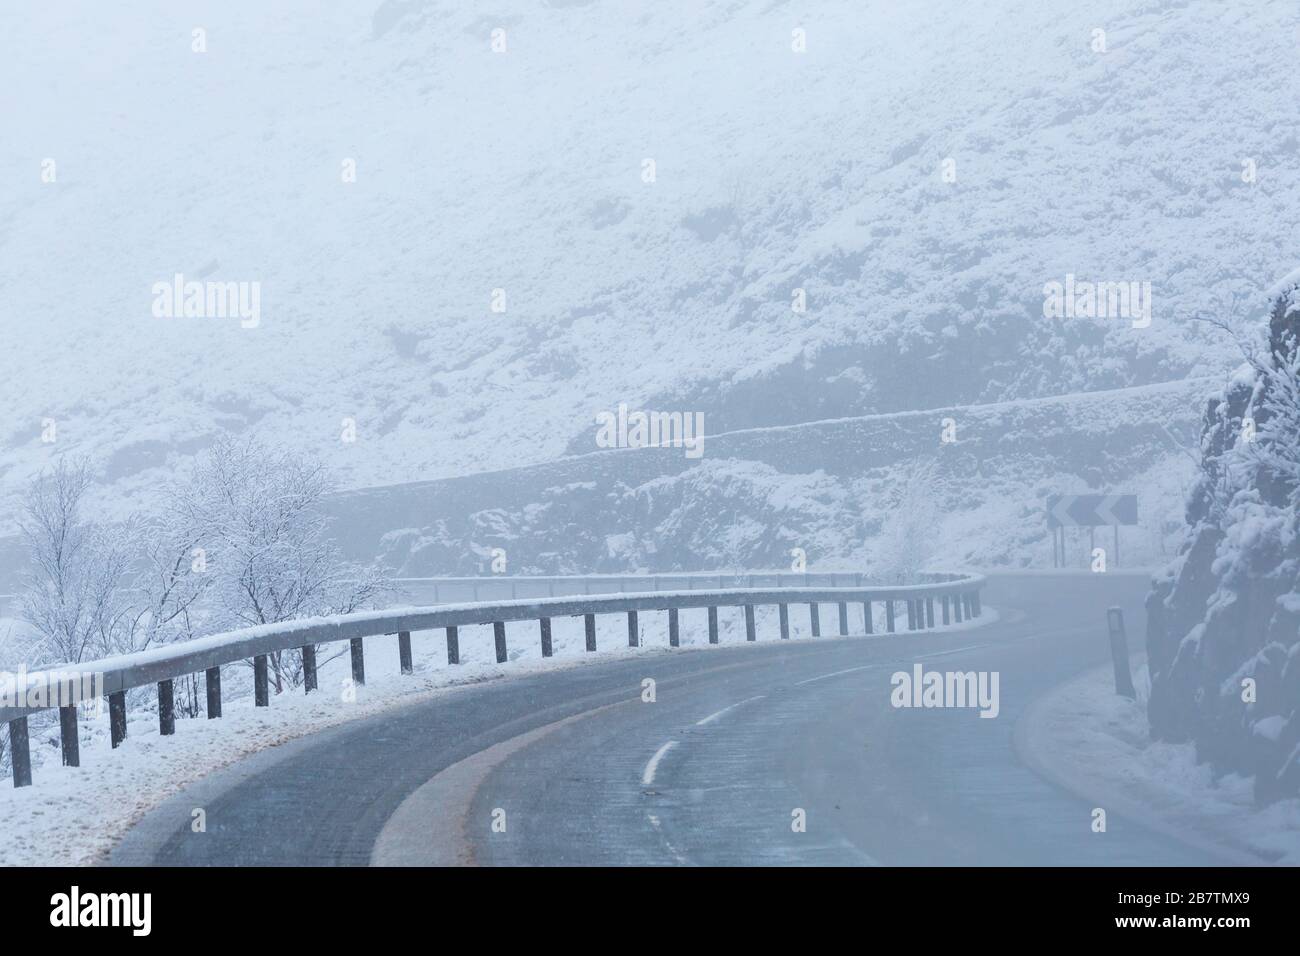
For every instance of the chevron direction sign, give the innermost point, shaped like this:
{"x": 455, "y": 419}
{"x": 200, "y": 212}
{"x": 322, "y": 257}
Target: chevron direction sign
{"x": 1091, "y": 510}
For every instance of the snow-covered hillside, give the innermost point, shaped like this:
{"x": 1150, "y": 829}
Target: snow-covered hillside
{"x": 525, "y": 171}
{"x": 831, "y": 489}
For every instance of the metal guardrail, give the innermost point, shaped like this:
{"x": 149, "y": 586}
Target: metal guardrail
{"x": 480, "y": 587}
{"x": 957, "y": 597}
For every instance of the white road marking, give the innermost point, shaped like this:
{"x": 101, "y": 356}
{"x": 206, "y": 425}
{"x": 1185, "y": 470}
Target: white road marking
{"x": 648, "y": 777}
{"x": 654, "y": 822}
{"x": 849, "y": 670}
{"x": 712, "y": 717}
{"x": 864, "y": 667}
{"x": 954, "y": 650}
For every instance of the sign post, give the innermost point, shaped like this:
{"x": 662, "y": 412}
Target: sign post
{"x": 1088, "y": 511}
{"x": 1119, "y": 653}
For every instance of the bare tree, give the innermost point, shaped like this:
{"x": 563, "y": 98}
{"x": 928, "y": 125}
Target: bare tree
{"x": 241, "y": 542}
{"x": 254, "y": 511}
{"x": 172, "y": 580}
{"x": 73, "y": 597}
{"x": 905, "y": 545}
{"x": 12, "y": 653}
{"x": 171, "y": 587}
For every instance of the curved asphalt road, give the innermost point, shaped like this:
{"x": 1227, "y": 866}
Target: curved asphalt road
{"x": 739, "y": 737}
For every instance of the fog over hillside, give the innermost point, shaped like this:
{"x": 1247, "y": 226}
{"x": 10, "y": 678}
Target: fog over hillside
{"x": 825, "y": 170}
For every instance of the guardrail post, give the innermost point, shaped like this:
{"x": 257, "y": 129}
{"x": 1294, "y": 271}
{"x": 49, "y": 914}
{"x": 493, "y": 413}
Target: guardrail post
{"x": 844, "y": 619}
{"x": 866, "y": 617}
{"x": 166, "y": 708}
{"x": 713, "y": 624}
{"x": 814, "y": 614}
{"x": 889, "y": 616}
{"x": 214, "y": 694}
{"x": 69, "y": 739}
{"x": 783, "y": 612}
{"x": 946, "y": 611}
{"x": 117, "y": 718}
{"x": 358, "y": 661}
{"x": 750, "y": 634}
{"x": 911, "y": 615}
{"x": 20, "y": 755}
{"x": 956, "y": 608}
{"x": 1119, "y": 653}
{"x": 308, "y": 668}
{"x": 499, "y": 635}
{"x": 633, "y": 630}
{"x": 546, "y": 637}
{"x": 674, "y": 629}
{"x": 589, "y": 624}
{"x": 929, "y": 612}
{"x": 453, "y": 644}
{"x": 404, "y": 652}
{"x": 261, "y": 682}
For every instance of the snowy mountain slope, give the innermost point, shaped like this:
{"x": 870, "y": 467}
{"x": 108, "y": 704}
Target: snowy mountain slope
{"x": 826, "y": 487}
{"x": 523, "y": 171}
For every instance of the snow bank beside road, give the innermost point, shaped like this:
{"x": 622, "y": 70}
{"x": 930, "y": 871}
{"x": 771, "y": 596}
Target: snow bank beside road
{"x": 1086, "y": 738}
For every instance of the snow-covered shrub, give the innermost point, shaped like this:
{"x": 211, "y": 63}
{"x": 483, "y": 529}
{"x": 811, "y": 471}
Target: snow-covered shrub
{"x": 1223, "y": 628}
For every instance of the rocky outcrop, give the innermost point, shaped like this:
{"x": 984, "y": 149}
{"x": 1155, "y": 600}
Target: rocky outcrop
{"x": 1223, "y": 623}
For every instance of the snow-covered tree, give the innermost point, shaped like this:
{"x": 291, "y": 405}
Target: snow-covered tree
{"x": 910, "y": 532}
{"x": 73, "y": 596}
{"x": 253, "y": 512}
{"x": 12, "y": 655}
{"x": 1275, "y": 450}
{"x": 240, "y": 541}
